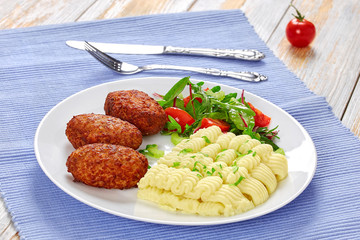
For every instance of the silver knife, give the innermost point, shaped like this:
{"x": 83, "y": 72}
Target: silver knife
{"x": 246, "y": 54}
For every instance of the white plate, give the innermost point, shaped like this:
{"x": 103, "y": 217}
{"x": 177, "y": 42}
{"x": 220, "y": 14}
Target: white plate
{"x": 52, "y": 149}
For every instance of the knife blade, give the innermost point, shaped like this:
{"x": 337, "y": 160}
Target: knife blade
{"x": 244, "y": 54}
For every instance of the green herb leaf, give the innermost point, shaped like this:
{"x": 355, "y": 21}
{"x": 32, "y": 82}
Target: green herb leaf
{"x": 229, "y": 96}
{"x": 281, "y": 151}
{"x": 196, "y": 163}
{"x": 172, "y": 125}
{"x": 206, "y": 155}
{"x": 238, "y": 181}
{"x": 216, "y": 89}
{"x": 219, "y": 95}
{"x": 176, "y": 139}
{"x": 207, "y": 140}
{"x": 185, "y": 150}
{"x": 236, "y": 119}
{"x": 176, "y": 89}
{"x": 176, "y": 164}
{"x": 152, "y": 150}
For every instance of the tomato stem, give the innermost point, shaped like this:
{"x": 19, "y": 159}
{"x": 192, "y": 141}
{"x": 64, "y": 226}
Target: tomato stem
{"x": 299, "y": 16}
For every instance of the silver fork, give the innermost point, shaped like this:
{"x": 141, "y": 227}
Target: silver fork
{"x": 126, "y": 68}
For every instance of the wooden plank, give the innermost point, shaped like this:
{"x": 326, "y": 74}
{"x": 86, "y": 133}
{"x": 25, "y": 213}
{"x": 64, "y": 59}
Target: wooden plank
{"x": 106, "y": 9}
{"x": 351, "y": 118}
{"x": 7, "y": 229}
{"x": 257, "y": 12}
{"x": 41, "y": 12}
{"x": 330, "y": 66}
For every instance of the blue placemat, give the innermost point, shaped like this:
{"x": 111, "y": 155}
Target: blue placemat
{"x": 38, "y": 70}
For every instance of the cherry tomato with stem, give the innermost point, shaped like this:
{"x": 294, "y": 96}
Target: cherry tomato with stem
{"x": 181, "y": 117}
{"x": 299, "y": 31}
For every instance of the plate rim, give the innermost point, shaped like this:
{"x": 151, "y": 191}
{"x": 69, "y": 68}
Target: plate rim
{"x": 225, "y": 220}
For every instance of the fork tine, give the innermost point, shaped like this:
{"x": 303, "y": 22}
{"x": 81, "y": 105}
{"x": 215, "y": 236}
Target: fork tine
{"x": 89, "y": 48}
{"x": 105, "y": 59}
{"x": 100, "y": 59}
{"x": 98, "y": 55}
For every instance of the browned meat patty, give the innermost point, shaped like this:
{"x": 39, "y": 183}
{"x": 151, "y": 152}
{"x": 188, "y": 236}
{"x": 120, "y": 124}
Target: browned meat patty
{"x": 98, "y": 128}
{"x": 137, "y": 108}
{"x": 107, "y": 165}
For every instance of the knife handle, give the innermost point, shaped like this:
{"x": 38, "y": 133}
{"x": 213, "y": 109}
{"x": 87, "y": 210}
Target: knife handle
{"x": 245, "y": 54}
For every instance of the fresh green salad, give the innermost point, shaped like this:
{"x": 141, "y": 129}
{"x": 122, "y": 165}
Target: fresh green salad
{"x": 205, "y": 107}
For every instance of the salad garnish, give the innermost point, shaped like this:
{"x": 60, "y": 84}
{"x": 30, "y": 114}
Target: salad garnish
{"x": 203, "y": 108}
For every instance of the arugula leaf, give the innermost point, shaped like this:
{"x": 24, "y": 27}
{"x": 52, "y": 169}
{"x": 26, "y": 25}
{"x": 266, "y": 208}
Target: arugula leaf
{"x": 216, "y": 89}
{"x": 172, "y": 125}
{"x": 174, "y": 92}
{"x": 264, "y": 139}
{"x": 235, "y": 105}
{"x": 177, "y": 89}
{"x": 229, "y": 96}
{"x": 198, "y": 109}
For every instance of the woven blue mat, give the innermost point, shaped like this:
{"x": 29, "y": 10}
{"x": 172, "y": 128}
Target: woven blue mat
{"x": 38, "y": 70}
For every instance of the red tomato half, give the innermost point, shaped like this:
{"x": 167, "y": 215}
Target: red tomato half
{"x": 261, "y": 120}
{"x": 187, "y": 100}
{"x": 180, "y": 116}
{"x": 208, "y": 122}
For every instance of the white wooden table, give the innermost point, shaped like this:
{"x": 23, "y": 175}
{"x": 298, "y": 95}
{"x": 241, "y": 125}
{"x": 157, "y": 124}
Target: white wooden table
{"x": 330, "y": 66}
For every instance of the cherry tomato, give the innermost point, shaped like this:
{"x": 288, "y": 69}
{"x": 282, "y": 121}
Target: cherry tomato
{"x": 261, "y": 120}
{"x": 180, "y": 116}
{"x": 208, "y": 122}
{"x": 187, "y": 100}
{"x": 299, "y": 31}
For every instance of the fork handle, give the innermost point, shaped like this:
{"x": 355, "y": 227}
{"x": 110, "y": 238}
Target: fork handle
{"x": 244, "y": 54}
{"x": 245, "y": 76}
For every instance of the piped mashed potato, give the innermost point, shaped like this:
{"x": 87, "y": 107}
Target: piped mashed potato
{"x": 214, "y": 173}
